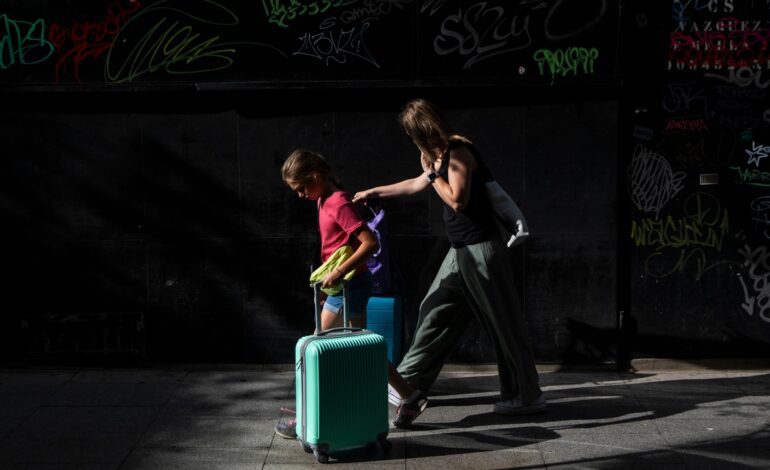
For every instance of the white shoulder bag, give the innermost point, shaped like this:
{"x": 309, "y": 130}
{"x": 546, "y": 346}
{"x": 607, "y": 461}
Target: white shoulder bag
{"x": 508, "y": 213}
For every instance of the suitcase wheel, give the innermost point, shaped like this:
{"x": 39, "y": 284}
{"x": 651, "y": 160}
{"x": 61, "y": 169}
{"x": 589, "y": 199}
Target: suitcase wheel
{"x": 322, "y": 457}
{"x": 305, "y": 447}
{"x": 382, "y": 444}
{"x": 386, "y": 445}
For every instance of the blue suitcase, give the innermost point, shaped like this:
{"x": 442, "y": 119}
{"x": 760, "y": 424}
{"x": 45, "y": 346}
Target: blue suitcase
{"x": 384, "y": 315}
{"x": 341, "y": 389}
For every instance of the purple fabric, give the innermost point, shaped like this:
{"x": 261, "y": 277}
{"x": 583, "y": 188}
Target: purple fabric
{"x": 379, "y": 263}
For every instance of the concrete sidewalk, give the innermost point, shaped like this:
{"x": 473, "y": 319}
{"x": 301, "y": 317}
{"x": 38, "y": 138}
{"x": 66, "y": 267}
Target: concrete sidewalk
{"x": 202, "y": 418}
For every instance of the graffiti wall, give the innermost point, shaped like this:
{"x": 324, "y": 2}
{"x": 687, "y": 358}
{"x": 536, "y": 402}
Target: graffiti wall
{"x": 697, "y": 177}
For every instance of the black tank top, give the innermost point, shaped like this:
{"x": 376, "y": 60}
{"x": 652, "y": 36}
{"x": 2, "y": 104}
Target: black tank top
{"x": 474, "y": 223}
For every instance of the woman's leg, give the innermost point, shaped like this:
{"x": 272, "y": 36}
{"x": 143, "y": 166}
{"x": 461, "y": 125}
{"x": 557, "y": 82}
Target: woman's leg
{"x": 492, "y": 293}
{"x": 444, "y": 316}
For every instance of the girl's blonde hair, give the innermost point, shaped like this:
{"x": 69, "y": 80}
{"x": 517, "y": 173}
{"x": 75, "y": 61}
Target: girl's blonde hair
{"x": 424, "y": 123}
{"x": 301, "y": 165}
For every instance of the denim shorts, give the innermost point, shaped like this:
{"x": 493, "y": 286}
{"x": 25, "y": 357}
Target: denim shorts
{"x": 359, "y": 289}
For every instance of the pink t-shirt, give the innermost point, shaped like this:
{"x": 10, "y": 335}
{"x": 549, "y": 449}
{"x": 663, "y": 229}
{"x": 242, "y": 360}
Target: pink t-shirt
{"x": 338, "y": 218}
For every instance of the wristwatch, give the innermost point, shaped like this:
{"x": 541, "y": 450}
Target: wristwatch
{"x": 432, "y": 176}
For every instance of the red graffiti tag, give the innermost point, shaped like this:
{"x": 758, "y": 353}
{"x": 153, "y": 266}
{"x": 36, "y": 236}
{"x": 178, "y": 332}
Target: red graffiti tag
{"x": 78, "y": 42}
{"x": 726, "y": 47}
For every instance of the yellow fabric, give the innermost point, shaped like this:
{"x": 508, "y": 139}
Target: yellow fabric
{"x": 336, "y": 259}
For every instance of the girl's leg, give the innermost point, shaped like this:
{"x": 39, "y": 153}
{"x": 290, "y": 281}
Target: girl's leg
{"x": 398, "y": 383}
{"x": 330, "y": 320}
{"x": 358, "y": 291}
{"x": 401, "y": 386}
{"x": 358, "y": 322}
{"x": 334, "y": 320}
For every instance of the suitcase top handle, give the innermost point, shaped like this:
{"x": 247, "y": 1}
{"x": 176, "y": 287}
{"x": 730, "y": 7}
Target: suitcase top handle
{"x": 340, "y": 329}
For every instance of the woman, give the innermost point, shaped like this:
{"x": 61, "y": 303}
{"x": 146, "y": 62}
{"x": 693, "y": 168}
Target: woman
{"x": 475, "y": 276}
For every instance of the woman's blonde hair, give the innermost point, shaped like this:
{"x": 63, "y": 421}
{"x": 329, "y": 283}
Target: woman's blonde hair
{"x": 302, "y": 165}
{"x": 424, "y": 123}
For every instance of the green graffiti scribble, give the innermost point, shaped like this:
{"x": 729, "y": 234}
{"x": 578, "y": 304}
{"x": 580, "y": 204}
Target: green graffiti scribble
{"x": 569, "y": 61}
{"x": 281, "y": 12}
{"x": 174, "y": 47}
{"x": 23, "y": 43}
{"x": 752, "y": 177}
{"x": 670, "y": 233}
{"x": 685, "y": 258}
{"x": 705, "y": 225}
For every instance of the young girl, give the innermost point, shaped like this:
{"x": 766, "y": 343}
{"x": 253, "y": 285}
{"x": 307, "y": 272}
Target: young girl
{"x": 475, "y": 276}
{"x": 339, "y": 223}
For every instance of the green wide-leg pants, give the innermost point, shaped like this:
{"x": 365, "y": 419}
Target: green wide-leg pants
{"x": 474, "y": 279}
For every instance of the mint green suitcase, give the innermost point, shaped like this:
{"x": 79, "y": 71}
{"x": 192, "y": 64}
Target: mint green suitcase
{"x": 341, "y": 389}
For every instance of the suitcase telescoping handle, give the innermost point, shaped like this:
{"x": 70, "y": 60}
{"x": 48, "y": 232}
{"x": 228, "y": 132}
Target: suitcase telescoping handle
{"x": 319, "y": 307}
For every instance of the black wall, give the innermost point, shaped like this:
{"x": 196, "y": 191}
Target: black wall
{"x": 170, "y": 234}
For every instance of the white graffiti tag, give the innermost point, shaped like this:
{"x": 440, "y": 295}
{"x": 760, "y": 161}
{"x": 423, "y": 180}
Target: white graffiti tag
{"x": 757, "y": 153}
{"x": 756, "y": 296}
{"x": 760, "y": 213}
{"x": 652, "y": 180}
{"x": 741, "y": 77}
{"x": 481, "y": 32}
{"x": 336, "y": 45}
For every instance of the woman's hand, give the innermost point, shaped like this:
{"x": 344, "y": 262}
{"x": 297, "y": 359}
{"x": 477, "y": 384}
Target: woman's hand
{"x": 363, "y": 195}
{"x": 427, "y": 166}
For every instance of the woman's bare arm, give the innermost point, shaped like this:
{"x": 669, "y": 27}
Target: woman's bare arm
{"x": 456, "y": 190}
{"x": 402, "y": 188}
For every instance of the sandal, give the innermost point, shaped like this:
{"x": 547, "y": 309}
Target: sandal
{"x": 287, "y": 430}
{"x": 393, "y": 397}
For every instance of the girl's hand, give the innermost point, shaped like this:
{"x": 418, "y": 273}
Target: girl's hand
{"x": 331, "y": 279}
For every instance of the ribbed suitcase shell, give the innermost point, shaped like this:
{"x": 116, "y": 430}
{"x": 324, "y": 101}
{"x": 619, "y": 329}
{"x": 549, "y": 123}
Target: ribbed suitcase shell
{"x": 341, "y": 390}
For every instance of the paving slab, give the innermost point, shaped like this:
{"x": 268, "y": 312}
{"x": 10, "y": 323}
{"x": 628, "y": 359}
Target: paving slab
{"x": 210, "y": 458}
{"x": 208, "y": 431}
{"x": 33, "y": 382}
